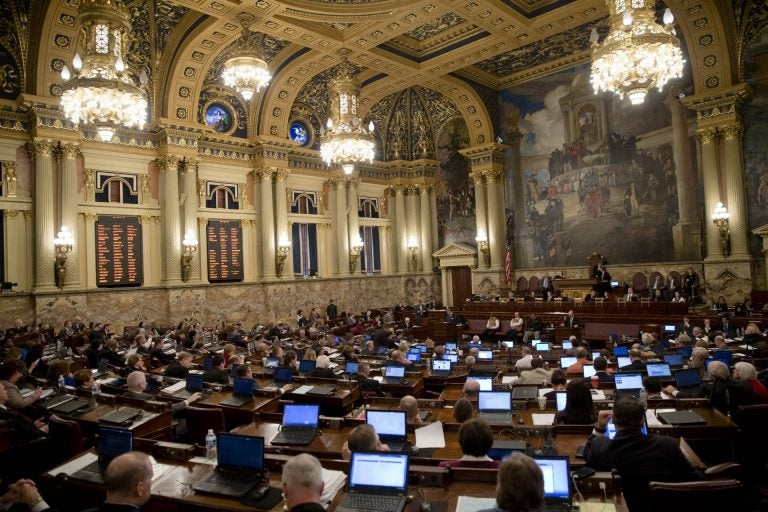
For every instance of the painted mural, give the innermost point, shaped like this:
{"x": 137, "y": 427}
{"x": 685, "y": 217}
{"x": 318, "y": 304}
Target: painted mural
{"x": 455, "y": 192}
{"x": 598, "y": 174}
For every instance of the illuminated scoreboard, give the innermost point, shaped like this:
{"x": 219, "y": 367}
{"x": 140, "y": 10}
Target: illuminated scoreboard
{"x": 225, "y": 253}
{"x": 118, "y": 251}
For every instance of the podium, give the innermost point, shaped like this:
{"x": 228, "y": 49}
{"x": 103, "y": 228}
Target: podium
{"x": 575, "y": 288}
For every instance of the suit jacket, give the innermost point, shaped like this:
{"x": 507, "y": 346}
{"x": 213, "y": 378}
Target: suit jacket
{"x": 176, "y": 370}
{"x": 367, "y": 384}
{"x": 308, "y": 507}
{"x": 605, "y": 377}
{"x": 111, "y": 356}
{"x": 636, "y": 366}
{"x": 639, "y": 459}
{"x": 535, "y": 376}
{"x": 114, "y": 507}
{"x": 23, "y": 430}
{"x": 572, "y": 321}
{"x": 216, "y": 375}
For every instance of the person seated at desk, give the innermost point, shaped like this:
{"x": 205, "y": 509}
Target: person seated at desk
{"x": 365, "y": 382}
{"x": 753, "y": 337}
{"x": 677, "y": 298}
{"x": 302, "y": 484}
{"x": 369, "y": 349}
{"x": 476, "y": 439}
{"x": 217, "y": 374}
{"x": 363, "y": 438}
{"x": 10, "y": 373}
{"x": 228, "y": 351}
{"x": 410, "y": 405}
{"x": 244, "y": 371}
{"x": 652, "y": 387}
{"x": 639, "y": 458}
{"x": 750, "y": 389}
{"x": 630, "y": 296}
{"x": 537, "y": 374}
{"x": 579, "y": 408}
{"x": 109, "y": 353}
{"x": 84, "y": 379}
{"x": 439, "y": 353}
{"x": 716, "y": 389}
{"x": 558, "y": 382}
{"x": 491, "y": 326}
{"x": 515, "y": 326}
{"x": 524, "y": 363}
{"x": 658, "y": 296}
{"x": 23, "y": 429}
{"x": 405, "y": 324}
{"x": 698, "y": 356}
{"x": 24, "y": 492}
{"x": 471, "y": 390}
{"x": 137, "y": 383}
{"x": 396, "y": 358}
{"x": 532, "y": 329}
{"x": 462, "y": 410}
{"x": 135, "y": 362}
{"x": 581, "y": 360}
{"x": 600, "y": 364}
{"x": 157, "y": 353}
{"x": 290, "y": 360}
{"x": 519, "y": 486}
{"x": 322, "y": 369}
{"x": 720, "y": 305}
{"x": 179, "y": 368}
{"x": 636, "y": 362}
{"x": 128, "y": 479}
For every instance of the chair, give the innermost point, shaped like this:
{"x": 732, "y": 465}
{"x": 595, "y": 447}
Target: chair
{"x": 522, "y": 285}
{"x": 202, "y": 419}
{"x": 639, "y": 282}
{"x": 752, "y": 449}
{"x": 700, "y": 495}
{"x": 66, "y": 439}
{"x": 534, "y": 284}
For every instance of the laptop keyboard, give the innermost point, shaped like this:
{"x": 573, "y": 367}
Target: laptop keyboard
{"x": 496, "y": 417}
{"x": 371, "y": 502}
{"x": 225, "y": 477}
{"x": 93, "y": 467}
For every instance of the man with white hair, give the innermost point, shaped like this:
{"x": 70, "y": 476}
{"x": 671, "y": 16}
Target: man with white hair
{"x": 322, "y": 368}
{"x": 716, "y": 389}
{"x": 302, "y": 484}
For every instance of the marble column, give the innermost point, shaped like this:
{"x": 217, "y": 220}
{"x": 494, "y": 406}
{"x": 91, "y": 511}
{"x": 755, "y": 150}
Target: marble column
{"x": 426, "y": 227}
{"x": 385, "y": 236}
{"x": 342, "y": 227}
{"x": 68, "y": 216}
{"x": 733, "y": 168}
{"x": 268, "y": 243}
{"x": 707, "y": 139}
{"x": 480, "y": 213}
{"x": 90, "y": 255}
{"x": 169, "y": 208}
{"x": 189, "y": 209}
{"x": 146, "y": 248}
{"x": 353, "y": 198}
{"x": 17, "y": 260}
{"x": 413, "y": 231}
{"x": 333, "y": 264}
{"x": 281, "y": 218}
{"x": 249, "y": 265}
{"x": 496, "y": 221}
{"x": 433, "y": 218}
{"x": 686, "y": 232}
{"x": 41, "y": 150}
{"x": 400, "y": 242}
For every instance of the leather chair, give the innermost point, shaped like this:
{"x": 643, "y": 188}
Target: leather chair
{"x": 66, "y": 439}
{"x": 700, "y": 495}
{"x": 752, "y": 448}
{"x": 202, "y": 419}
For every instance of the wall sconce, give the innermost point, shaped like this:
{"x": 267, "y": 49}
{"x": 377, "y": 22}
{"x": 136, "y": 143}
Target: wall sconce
{"x": 413, "y": 247}
{"x": 281, "y": 253}
{"x": 189, "y": 244}
{"x": 63, "y": 244}
{"x": 354, "y": 253}
{"x": 482, "y": 246}
{"x": 720, "y": 218}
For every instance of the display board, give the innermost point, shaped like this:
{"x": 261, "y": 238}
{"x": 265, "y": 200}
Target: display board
{"x": 225, "y": 254}
{"x": 118, "y": 251}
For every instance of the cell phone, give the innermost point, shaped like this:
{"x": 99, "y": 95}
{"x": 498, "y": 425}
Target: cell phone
{"x": 584, "y": 472}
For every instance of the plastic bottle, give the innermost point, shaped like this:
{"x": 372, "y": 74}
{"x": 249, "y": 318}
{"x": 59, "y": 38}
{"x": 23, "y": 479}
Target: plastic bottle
{"x": 643, "y": 397}
{"x": 61, "y": 384}
{"x": 210, "y": 444}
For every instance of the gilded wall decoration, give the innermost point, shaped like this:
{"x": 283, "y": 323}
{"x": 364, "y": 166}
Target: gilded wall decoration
{"x": 445, "y": 22}
{"x": 235, "y": 124}
{"x": 167, "y": 16}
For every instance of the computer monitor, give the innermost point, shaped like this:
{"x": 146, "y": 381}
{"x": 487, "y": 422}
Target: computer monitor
{"x": 621, "y": 362}
{"x": 615, "y": 284}
{"x": 725, "y": 356}
{"x": 620, "y": 351}
{"x": 611, "y": 429}
{"x": 307, "y": 366}
{"x": 669, "y": 329}
{"x": 351, "y": 367}
{"x": 567, "y": 344}
{"x": 541, "y": 347}
{"x": 556, "y": 478}
{"x": 485, "y": 355}
{"x": 588, "y": 370}
{"x": 567, "y": 361}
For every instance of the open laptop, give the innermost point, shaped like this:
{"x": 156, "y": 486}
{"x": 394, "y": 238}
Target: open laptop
{"x": 485, "y": 356}
{"x": 123, "y": 416}
{"x": 495, "y": 407}
{"x": 282, "y": 376}
{"x": 540, "y": 347}
{"x": 669, "y": 330}
{"x": 588, "y": 371}
{"x": 377, "y": 481}
{"x": 557, "y": 489}
{"x": 306, "y": 366}
{"x": 675, "y": 360}
{"x": 525, "y": 392}
{"x": 567, "y": 361}
{"x": 561, "y": 400}
{"x": 413, "y": 356}
{"x": 194, "y": 385}
{"x": 239, "y": 466}
{"x": 685, "y": 351}
{"x": 351, "y": 367}
{"x": 486, "y": 383}
{"x": 453, "y": 358}
{"x": 450, "y": 346}
{"x": 658, "y": 370}
{"x": 610, "y": 431}
{"x": 390, "y": 426}
{"x": 111, "y": 443}
{"x": 725, "y": 356}
{"x": 688, "y": 378}
{"x": 629, "y": 384}
{"x": 621, "y": 351}
{"x": 508, "y": 343}
{"x": 567, "y": 344}
{"x": 394, "y": 374}
{"x": 299, "y": 426}
{"x": 242, "y": 393}
{"x": 271, "y": 363}
{"x": 623, "y": 361}
{"x": 382, "y": 351}
{"x": 441, "y": 367}
{"x": 69, "y": 406}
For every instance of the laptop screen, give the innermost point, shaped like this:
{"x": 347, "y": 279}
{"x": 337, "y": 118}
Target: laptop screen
{"x": 673, "y": 359}
{"x": 413, "y": 356}
{"x": 685, "y": 352}
{"x": 441, "y": 365}
{"x": 395, "y": 371}
{"x": 687, "y": 378}
{"x": 567, "y": 345}
{"x": 351, "y": 367}
{"x": 243, "y": 387}
{"x": 485, "y": 355}
{"x": 623, "y": 361}
{"x": 621, "y": 351}
{"x": 478, "y": 346}
{"x": 283, "y": 375}
{"x": 382, "y": 351}
{"x": 386, "y": 423}
{"x": 233, "y": 370}
{"x": 669, "y": 329}
{"x": 307, "y": 366}
{"x": 611, "y": 429}
{"x": 422, "y": 348}
{"x": 272, "y": 362}
{"x": 494, "y": 401}
{"x": 379, "y": 472}
{"x": 614, "y": 284}
{"x": 556, "y": 475}
{"x": 626, "y": 381}
{"x": 588, "y": 371}
{"x": 486, "y": 383}
{"x": 195, "y": 381}
{"x": 567, "y": 361}
{"x": 508, "y": 343}
{"x": 300, "y": 415}
{"x": 240, "y": 451}
{"x": 208, "y": 363}
{"x": 450, "y": 345}
{"x": 658, "y": 370}
{"x": 114, "y": 442}
{"x": 453, "y": 358}
{"x": 595, "y": 355}
{"x": 561, "y": 398}
{"x": 542, "y": 347}
{"x": 725, "y": 356}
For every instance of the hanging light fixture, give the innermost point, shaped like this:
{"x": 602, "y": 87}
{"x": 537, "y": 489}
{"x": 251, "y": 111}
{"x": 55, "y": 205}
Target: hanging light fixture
{"x": 638, "y": 53}
{"x": 247, "y": 72}
{"x": 345, "y": 141}
{"x": 101, "y": 93}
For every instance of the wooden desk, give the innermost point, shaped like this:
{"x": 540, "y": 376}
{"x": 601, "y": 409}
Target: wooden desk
{"x": 245, "y": 413}
{"x": 150, "y": 425}
{"x": 338, "y": 404}
{"x": 415, "y": 387}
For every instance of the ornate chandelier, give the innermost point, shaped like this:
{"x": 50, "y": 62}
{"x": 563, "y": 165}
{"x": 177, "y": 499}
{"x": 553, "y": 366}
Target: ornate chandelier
{"x": 345, "y": 141}
{"x": 245, "y": 72}
{"x": 101, "y": 93}
{"x": 638, "y": 53}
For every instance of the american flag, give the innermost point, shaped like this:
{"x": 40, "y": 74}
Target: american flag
{"x": 508, "y": 264}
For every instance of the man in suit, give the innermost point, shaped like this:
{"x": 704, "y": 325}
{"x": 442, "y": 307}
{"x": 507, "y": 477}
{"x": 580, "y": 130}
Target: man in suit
{"x": 137, "y": 383}
{"x": 601, "y": 370}
{"x": 302, "y": 484}
{"x": 180, "y": 367}
{"x": 571, "y": 320}
{"x": 128, "y": 479}
{"x": 421, "y": 309}
{"x": 726, "y": 328}
{"x": 630, "y": 295}
{"x": 330, "y": 310}
{"x": 322, "y": 369}
{"x": 537, "y": 374}
{"x": 636, "y": 365}
{"x": 686, "y": 327}
{"x": 638, "y": 458}
{"x": 366, "y": 383}
{"x": 217, "y": 374}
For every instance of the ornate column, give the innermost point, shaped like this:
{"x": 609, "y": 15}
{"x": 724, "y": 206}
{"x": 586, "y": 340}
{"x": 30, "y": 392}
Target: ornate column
{"x": 400, "y": 242}
{"x": 385, "y": 234}
{"x": 333, "y": 263}
{"x": 146, "y": 247}
{"x": 323, "y": 249}
{"x": 733, "y": 168}
{"x": 17, "y": 259}
{"x": 342, "y": 231}
{"x": 246, "y": 225}
{"x": 353, "y": 198}
{"x": 686, "y": 233}
{"x": 189, "y": 182}
{"x": 41, "y": 150}
{"x": 480, "y": 211}
{"x": 707, "y": 138}
{"x": 496, "y": 220}
{"x": 68, "y": 199}
{"x": 11, "y": 179}
{"x": 169, "y": 208}
{"x": 268, "y": 243}
{"x": 281, "y": 217}
{"x": 426, "y": 227}
{"x": 522, "y": 242}
{"x": 412, "y": 229}
{"x": 90, "y": 245}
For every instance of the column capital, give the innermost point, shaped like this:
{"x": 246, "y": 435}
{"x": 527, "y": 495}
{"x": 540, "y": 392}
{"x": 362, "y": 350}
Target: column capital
{"x": 70, "y": 150}
{"x": 732, "y": 131}
{"x": 91, "y": 217}
{"x": 40, "y": 147}
{"x": 282, "y": 174}
{"x": 27, "y": 214}
{"x": 202, "y": 222}
{"x": 168, "y": 163}
{"x": 399, "y": 190}
{"x": 477, "y": 177}
{"x": 10, "y": 214}
{"x": 707, "y": 135}
{"x": 145, "y": 219}
{"x": 352, "y": 182}
{"x": 264, "y": 173}
{"x": 192, "y": 164}
{"x": 494, "y": 175}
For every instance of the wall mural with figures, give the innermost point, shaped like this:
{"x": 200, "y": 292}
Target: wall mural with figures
{"x": 455, "y": 192}
{"x": 597, "y": 174}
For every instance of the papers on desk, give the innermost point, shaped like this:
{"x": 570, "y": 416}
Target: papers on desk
{"x": 542, "y": 419}
{"x": 430, "y": 436}
{"x": 652, "y": 419}
{"x": 173, "y": 388}
{"x": 666, "y": 396}
{"x": 203, "y": 460}
{"x": 379, "y": 378}
{"x": 334, "y": 482}
{"x": 302, "y": 390}
{"x": 597, "y": 394}
{"x": 46, "y": 393}
{"x": 544, "y": 391}
{"x": 509, "y": 379}
{"x": 472, "y": 504}
{"x": 74, "y": 465}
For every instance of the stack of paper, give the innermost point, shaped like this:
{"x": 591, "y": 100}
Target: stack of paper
{"x": 174, "y": 387}
{"x": 431, "y": 436}
{"x": 302, "y": 390}
{"x": 472, "y": 504}
{"x": 543, "y": 419}
{"x": 334, "y": 482}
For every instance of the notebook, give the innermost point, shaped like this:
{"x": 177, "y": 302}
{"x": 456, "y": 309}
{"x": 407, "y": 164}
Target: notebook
{"x": 394, "y": 374}
{"x": 242, "y": 393}
{"x": 377, "y": 481}
{"x": 658, "y": 370}
{"x": 441, "y": 367}
{"x": 111, "y": 443}
{"x": 688, "y": 378}
{"x": 391, "y": 427}
{"x": 557, "y": 490}
{"x": 495, "y": 406}
{"x": 283, "y": 376}
{"x": 239, "y": 466}
{"x": 306, "y": 366}
{"x": 194, "y": 385}
{"x": 299, "y": 426}
{"x": 567, "y": 361}
{"x": 486, "y": 383}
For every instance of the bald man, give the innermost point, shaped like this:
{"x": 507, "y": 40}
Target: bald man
{"x": 410, "y": 405}
{"x": 471, "y": 390}
{"x": 302, "y": 484}
{"x": 128, "y": 479}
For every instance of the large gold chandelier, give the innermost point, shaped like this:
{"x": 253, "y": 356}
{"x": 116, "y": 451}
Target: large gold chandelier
{"x": 345, "y": 140}
{"x": 247, "y": 72}
{"x": 101, "y": 93}
{"x": 638, "y": 53}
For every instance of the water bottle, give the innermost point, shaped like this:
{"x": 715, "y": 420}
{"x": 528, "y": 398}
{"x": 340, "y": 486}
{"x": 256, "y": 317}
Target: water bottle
{"x": 643, "y": 397}
{"x": 58, "y": 347}
{"x": 61, "y": 384}
{"x": 69, "y": 352}
{"x": 210, "y": 444}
